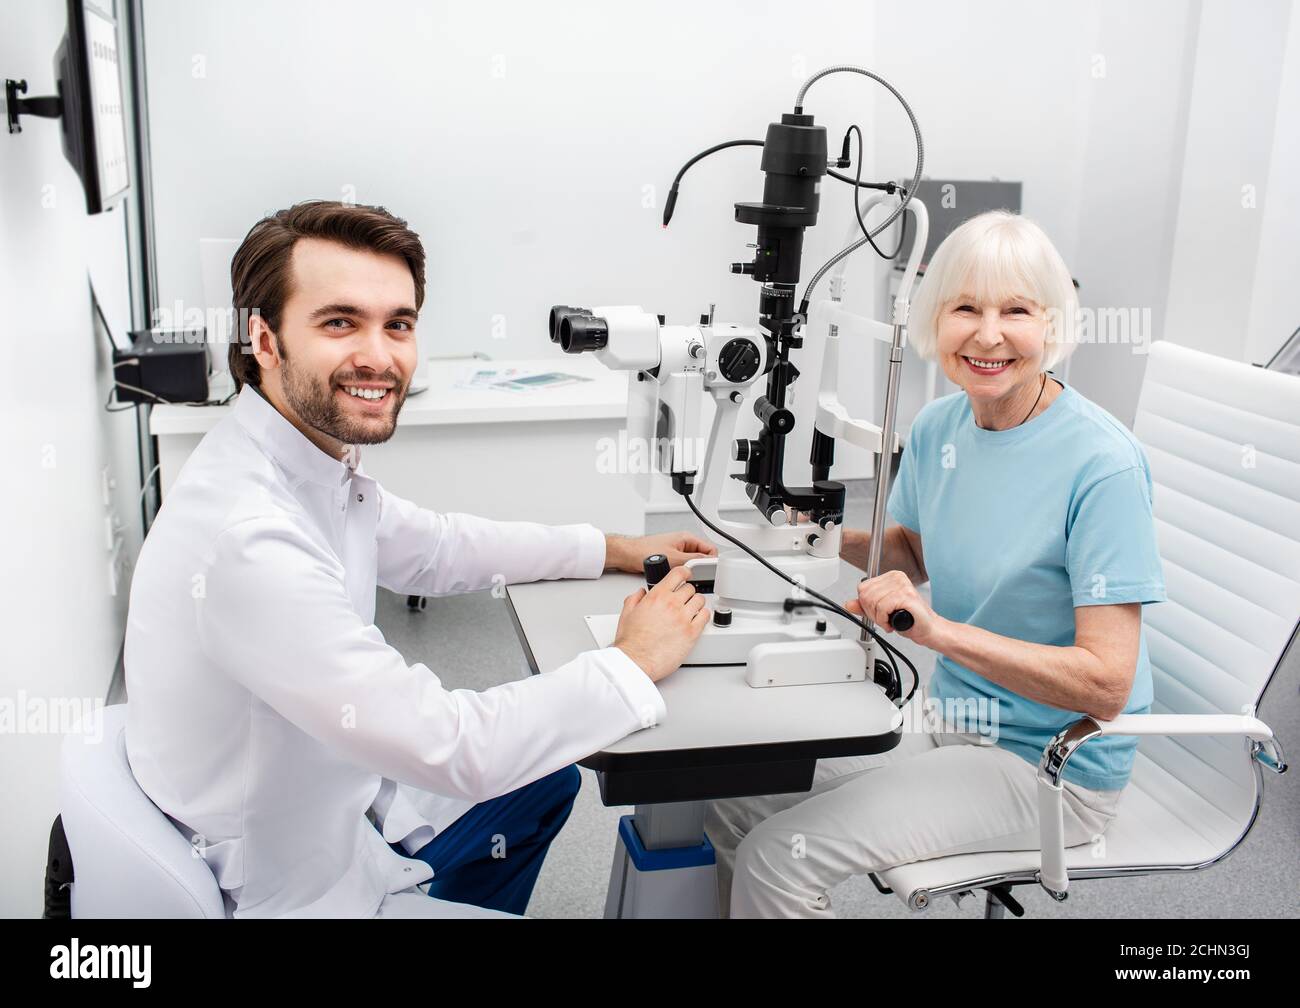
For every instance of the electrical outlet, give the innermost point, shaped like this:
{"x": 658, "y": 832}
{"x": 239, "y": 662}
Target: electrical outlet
{"x": 114, "y": 566}
{"x": 107, "y": 485}
{"x": 112, "y": 530}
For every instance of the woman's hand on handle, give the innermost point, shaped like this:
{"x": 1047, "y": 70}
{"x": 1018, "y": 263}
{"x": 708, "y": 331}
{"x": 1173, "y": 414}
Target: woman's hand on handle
{"x": 888, "y": 592}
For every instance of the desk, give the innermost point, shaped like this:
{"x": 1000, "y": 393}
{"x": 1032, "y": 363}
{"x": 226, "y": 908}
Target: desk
{"x": 721, "y": 739}
{"x": 511, "y": 456}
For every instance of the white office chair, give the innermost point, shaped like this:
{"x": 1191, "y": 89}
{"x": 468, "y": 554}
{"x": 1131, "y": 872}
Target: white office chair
{"x": 1223, "y": 440}
{"x": 127, "y": 857}
{"x": 129, "y": 860}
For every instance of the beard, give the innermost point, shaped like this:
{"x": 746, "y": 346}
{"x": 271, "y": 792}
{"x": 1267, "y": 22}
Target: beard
{"x": 318, "y": 407}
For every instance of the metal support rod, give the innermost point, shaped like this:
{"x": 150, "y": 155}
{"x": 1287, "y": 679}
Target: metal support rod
{"x": 884, "y": 463}
{"x": 670, "y": 825}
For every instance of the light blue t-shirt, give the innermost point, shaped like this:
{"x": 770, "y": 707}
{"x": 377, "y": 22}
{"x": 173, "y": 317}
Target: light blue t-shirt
{"x": 1018, "y": 528}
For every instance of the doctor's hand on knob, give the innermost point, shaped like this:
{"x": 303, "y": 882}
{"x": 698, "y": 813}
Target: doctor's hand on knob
{"x": 628, "y": 553}
{"x": 658, "y": 628}
{"x": 881, "y": 596}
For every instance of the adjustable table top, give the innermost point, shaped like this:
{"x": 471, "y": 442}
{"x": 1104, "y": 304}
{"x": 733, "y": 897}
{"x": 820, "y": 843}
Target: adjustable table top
{"x": 722, "y": 738}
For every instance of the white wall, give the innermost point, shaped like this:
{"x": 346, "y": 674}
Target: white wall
{"x": 999, "y": 89}
{"x": 531, "y": 146}
{"x": 1078, "y": 102}
{"x": 1275, "y": 298}
{"x": 1130, "y": 170}
{"x": 1225, "y": 205}
{"x": 532, "y": 150}
{"x": 62, "y": 630}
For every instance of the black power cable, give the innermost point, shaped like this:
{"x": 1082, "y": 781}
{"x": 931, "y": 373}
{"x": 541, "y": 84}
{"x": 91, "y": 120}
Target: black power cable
{"x": 857, "y": 207}
{"x": 908, "y": 192}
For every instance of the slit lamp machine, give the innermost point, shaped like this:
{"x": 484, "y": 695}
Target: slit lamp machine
{"x": 771, "y": 572}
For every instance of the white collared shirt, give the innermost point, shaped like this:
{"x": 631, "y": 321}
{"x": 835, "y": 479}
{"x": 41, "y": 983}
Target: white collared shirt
{"x": 267, "y": 715}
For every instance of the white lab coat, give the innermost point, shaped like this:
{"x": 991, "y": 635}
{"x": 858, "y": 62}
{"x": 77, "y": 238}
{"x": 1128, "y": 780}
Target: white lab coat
{"x": 267, "y": 715}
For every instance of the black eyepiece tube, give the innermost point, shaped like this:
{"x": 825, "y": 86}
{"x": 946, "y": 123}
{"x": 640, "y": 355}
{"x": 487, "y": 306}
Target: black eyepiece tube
{"x": 557, "y": 313}
{"x": 583, "y": 332}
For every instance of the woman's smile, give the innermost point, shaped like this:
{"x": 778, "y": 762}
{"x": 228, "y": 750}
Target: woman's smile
{"x": 988, "y": 365}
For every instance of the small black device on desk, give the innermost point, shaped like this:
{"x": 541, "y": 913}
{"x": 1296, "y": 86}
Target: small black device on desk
{"x": 162, "y": 366}
{"x": 657, "y": 567}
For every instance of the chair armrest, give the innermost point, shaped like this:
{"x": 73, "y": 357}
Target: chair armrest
{"x": 1052, "y": 874}
{"x": 1187, "y": 724}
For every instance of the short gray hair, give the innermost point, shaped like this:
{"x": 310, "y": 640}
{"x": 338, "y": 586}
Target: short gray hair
{"x": 995, "y": 256}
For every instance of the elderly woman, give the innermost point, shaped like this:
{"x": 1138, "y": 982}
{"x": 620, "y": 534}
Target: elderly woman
{"x": 1028, "y": 509}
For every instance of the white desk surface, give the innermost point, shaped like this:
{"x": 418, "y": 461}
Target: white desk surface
{"x": 708, "y": 706}
{"x": 603, "y": 397}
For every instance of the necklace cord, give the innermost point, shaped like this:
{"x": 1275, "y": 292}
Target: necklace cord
{"x": 1041, "y": 389}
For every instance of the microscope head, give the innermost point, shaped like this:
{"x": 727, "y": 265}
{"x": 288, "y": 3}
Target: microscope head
{"x": 623, "y": 337}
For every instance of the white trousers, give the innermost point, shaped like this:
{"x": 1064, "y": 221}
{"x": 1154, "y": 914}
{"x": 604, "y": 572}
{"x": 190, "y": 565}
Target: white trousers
{"x": 935, "y": 793}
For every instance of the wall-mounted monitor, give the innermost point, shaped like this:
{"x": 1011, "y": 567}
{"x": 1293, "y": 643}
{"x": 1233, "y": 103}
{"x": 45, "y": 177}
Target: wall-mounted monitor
{"x": 90, "y": 84}
{"x": 89, "y": 104}
{"x": 952, "y": 202}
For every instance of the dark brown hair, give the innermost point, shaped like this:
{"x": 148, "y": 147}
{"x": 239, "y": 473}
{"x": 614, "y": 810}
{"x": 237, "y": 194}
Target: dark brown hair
{"x": 260, "y": 271}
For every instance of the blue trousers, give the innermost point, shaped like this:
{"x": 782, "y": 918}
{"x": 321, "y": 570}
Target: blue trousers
{"x": 491, "y": 855}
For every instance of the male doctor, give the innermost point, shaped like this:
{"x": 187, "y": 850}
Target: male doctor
{"x": 317, "y": 772}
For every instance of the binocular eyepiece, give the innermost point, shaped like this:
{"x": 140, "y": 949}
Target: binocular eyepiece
{"x": 576, "y": 329}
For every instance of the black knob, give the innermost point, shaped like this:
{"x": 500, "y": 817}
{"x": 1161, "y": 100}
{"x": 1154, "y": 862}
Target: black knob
{"x": 656, "y": 569}
{"x": 741, "y": 450}
{"x": 821, "y": 626}
{"x": 738, "y": 360}
{"x": 901, "y": 619}
{"x": 722, "y": 616}
{"x": 775, "y": 418}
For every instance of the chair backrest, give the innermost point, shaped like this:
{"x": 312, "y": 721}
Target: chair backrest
{"x": 1223, "y": 440}
{"x": 128, "y": 860}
